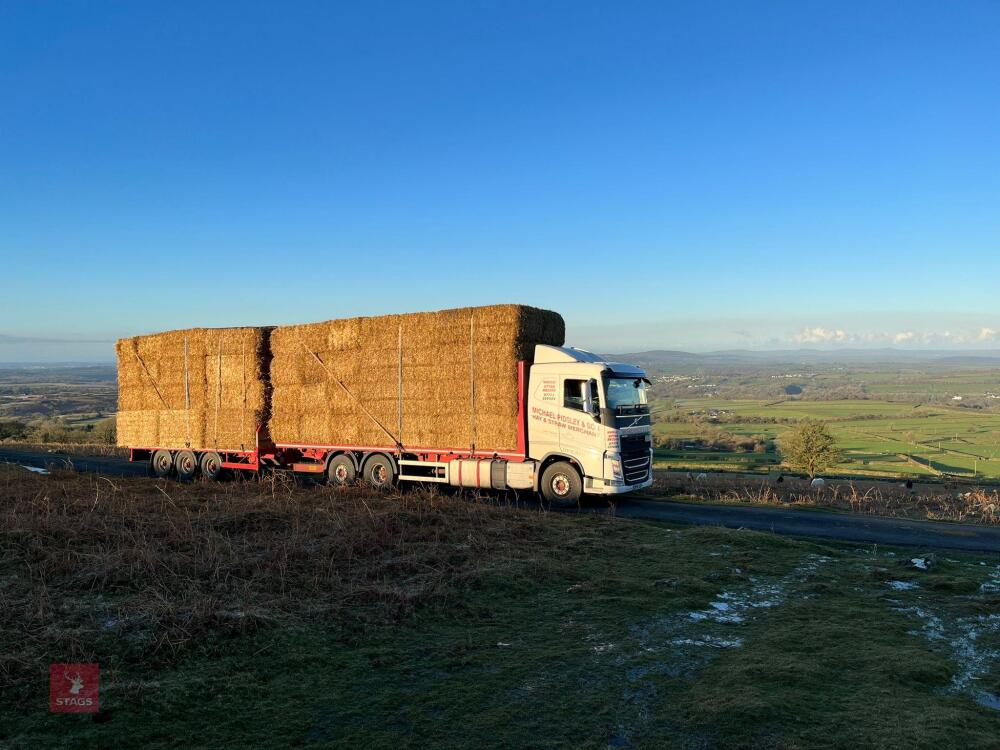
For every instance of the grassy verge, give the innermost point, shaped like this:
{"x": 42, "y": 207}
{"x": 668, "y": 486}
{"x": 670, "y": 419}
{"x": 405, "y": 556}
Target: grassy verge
{"x": 937, "y": 503}
{"x": 274, "y": 615}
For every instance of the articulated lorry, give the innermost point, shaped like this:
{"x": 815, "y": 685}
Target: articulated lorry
{"x": 482, "y": 397}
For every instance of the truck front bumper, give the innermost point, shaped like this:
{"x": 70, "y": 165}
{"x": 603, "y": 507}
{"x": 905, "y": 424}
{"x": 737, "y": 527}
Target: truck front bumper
{"x": 597, "y": 486}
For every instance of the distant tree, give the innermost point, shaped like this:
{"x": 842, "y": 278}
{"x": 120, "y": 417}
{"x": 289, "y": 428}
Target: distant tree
{"x": 808, "y": 447}
{"x": 50, "y": 431}
{"x": 105, "y": 432}
{"x": 12, "y": 429}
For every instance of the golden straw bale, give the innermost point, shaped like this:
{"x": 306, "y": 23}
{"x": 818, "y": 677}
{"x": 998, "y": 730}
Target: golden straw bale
{"x": 459, "y": 377}
{"x": 196, "y": 388}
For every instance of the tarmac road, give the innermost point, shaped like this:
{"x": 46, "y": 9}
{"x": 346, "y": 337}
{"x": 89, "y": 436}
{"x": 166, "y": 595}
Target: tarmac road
{"x": 847, "y": 527}
{"x": 110, "y": 465}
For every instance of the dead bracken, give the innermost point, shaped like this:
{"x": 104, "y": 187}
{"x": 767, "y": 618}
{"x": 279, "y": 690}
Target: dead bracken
{"x": 160, "y": 563}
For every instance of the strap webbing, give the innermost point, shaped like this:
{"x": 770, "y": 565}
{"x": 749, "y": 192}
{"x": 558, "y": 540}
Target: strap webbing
{"x": 187, "y": 396}
{"x": 243, "y": 411}
{"x": 356, "y": 400}
{"x": 218, "y": 392}
{"x": 399, "y": 396}
{"x": 472, "y": 378}
{"x": 152, "y": 381}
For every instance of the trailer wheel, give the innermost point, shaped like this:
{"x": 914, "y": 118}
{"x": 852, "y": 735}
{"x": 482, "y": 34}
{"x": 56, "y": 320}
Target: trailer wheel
{"x": 185, "y": 464}
{"x": 162, "y": 463}
{"x": 211, "y": 465}
{"x": 340, "y": 471}
{"x": 561, "y": 485}
{"x": 378, "y": 472}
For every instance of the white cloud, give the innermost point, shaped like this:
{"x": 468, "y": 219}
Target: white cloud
{"x": 820, "y": 335}
{"x": 906, "y": 338}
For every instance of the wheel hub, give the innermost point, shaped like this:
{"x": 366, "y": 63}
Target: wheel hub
{"x": 560, "y": 484}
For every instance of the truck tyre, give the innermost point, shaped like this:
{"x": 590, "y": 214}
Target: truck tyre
{"x": 561, "y": 485}
{"x": 162, "y": 463}
{"x": 185, "y": 464}
{"x": 340, "y": 471}
{"x": 211, "y": 466}
{"x": 378, "y": 472}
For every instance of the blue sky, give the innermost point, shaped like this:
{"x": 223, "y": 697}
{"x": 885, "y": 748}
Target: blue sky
{"x": 667, "y": 175}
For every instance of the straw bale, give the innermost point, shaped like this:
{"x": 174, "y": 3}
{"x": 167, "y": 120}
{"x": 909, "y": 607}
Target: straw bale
{"x": 459, "y": 379}
{"x": 215, "y": 396}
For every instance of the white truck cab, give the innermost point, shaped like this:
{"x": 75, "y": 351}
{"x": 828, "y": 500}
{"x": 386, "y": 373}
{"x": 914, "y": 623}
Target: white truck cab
{"x": 588, "y": 425}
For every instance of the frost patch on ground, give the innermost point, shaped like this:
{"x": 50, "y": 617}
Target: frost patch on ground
{"x": 733, "y": 607}
{"x": 992, "y": 584}
{"x": 708, "y": 640}
{"x": 681, "y": 643}
{"x": 989, "y": 700}
{"x": 961, "y": 637}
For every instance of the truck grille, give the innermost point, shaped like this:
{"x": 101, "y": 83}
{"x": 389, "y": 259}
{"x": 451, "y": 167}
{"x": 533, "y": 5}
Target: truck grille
{"x": 636, "y": 468}
{"x": 635, "y": 459}
{"x": 632, "y": 416}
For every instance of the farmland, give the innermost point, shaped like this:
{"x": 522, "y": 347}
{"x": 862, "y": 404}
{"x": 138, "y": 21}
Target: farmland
{"x": 266, "y": 614}
{"x": 875, "y": 437}
{"x": 941, "y": 421}
{"x": 79, "y": 394}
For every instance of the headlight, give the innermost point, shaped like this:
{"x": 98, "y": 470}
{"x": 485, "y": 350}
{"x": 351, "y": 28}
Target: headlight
{"x": 612, "y": 466}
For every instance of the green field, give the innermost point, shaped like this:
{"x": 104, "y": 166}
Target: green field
{"x": 876, "y": 437}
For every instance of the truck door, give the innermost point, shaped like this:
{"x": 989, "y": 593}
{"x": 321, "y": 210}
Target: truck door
{"x": 578, "y": 430}
{"x": 543, "y": 413}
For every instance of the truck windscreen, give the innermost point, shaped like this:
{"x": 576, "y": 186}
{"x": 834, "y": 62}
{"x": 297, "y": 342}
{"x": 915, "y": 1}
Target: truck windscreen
{"x": 625, "y": 392}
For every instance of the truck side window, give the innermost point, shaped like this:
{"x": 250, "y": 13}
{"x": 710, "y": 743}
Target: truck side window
{"x": 573, "y": 394}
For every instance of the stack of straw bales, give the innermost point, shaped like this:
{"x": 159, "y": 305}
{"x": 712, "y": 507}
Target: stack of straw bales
{"x": 440, "y": 379}
{"x": 198, "y": 388}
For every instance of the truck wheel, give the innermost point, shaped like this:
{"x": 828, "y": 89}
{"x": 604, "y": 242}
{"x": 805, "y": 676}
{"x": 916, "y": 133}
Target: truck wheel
{"x": 185, "y": 464}
{"x": 211, "y": 466}
{"x": 340, "y": 471}
{"x": 561, "y": 485}
{"x": 378, "y": 472}
{"x": 162, "y": 463}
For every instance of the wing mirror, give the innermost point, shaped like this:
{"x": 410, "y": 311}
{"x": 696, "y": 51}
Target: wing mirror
{"x": 589, "y": 401}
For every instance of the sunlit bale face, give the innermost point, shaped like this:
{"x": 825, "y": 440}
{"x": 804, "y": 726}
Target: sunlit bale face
{"x": 197, "y": 388}
{"x": 457, "y": 368}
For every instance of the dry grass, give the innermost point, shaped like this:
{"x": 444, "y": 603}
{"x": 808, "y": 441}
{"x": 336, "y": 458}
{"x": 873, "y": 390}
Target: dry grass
{"x": 159, "y": 564}
{"x": 975, "y": 505}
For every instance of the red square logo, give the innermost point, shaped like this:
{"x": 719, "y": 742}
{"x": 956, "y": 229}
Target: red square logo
{"x": 73, "y": 688}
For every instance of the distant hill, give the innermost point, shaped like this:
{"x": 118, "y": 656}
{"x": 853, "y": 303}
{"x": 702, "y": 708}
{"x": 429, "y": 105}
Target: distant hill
{"x": 731, "y": 357}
